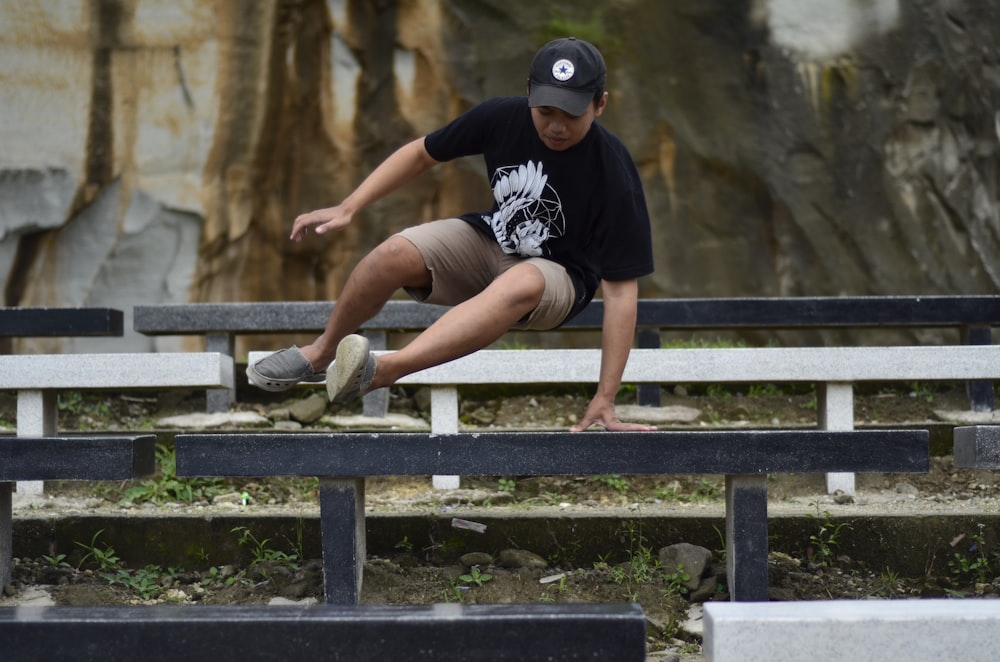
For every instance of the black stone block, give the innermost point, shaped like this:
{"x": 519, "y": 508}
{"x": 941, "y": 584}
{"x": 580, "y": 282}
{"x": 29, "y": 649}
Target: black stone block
{"x": 977, "y": 447}
{"x": 117, "y": 457}
{"x": 552, "y": 453}
{"x": 442, "y": 633}
{"x": 64, "y": 322}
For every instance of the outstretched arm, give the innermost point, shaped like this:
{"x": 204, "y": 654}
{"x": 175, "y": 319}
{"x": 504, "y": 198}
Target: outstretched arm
{"x": 620, "y": 304}
{"x": 402, "y": 165}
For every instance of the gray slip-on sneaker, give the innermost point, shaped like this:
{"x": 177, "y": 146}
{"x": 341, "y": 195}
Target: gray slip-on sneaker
{"x": 283, "y": 370}
{"x": 352, "y": 370}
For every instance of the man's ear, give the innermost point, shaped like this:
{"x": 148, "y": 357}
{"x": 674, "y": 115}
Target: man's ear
{"x": 600, "y": 105}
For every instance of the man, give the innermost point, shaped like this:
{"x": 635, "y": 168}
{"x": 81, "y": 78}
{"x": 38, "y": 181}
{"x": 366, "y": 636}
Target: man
{"x": 569, "y": 215}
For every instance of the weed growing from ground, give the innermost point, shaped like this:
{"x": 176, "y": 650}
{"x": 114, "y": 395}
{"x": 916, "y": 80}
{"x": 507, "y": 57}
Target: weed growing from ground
{"x": 764, "y": 390}
{"x": 718, "y": 392}
{"x": 705, "y": 490}
{"x": 454, "y": 592}
{"x": 105, "y": 558}
{"x": 476, "y": 577}
{"x": 722, "y": 543}
{"x": 642, "y": 567}
{"x": 73, "y": 402}
{"x": 216, "y": 575}
{"x": 614, "y": 481}
{"x": 261, "y": 551}
{"x": 923, "y": 391}
{"x": 888, "y": 583}
{"x": 148, "y": 582}
{"x": 168, "y": 487}
{"x": 560, "y": 589}
{"x": 823, "y": 543}
{"x": 977, "y": 563}
{"x": 57, "y": 561}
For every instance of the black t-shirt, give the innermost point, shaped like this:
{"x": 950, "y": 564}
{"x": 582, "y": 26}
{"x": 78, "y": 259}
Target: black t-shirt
{"x": 583, "y": 208}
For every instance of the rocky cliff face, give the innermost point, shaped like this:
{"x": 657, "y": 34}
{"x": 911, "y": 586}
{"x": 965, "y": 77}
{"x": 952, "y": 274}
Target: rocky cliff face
{"x": 157, "y": 151}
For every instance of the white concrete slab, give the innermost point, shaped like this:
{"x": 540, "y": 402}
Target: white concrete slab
{"x": 736, "y": 365}
{"x": 852, "y": 630}
{"x": 116, "y": 371}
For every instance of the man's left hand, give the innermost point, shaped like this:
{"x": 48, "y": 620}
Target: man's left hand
{"x": 603, "y": 414}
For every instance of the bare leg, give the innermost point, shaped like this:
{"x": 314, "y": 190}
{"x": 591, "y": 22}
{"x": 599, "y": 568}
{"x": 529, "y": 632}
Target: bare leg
{"x": 467, "y": 327}
{"x": 393, "y": 264}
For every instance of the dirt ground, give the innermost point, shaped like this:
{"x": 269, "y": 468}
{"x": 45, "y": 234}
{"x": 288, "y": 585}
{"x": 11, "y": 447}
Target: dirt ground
{"x": 92, "y": 573}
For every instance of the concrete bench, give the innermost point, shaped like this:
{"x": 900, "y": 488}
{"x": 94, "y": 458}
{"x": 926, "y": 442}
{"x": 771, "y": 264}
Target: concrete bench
{"x": 366, "y": 633}
{"x": 977, "y": 447}
{"x": 342, "y": 461}
{"x": 834, "y": 370}
{"x": 851, "y": 630}
{"x": 34, "y": 322}
{"x": 38, "y": 378}
{"x": 27, "y": 458}
{"x": 220, "y": 323}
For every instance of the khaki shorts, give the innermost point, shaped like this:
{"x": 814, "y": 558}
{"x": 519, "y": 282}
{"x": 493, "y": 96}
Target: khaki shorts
{"x": 464, "y": 261}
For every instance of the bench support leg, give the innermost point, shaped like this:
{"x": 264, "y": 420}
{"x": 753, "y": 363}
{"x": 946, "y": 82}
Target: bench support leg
{"x": 746, "y": 537}
{"x": 648, "y": 395}
{"x": 342, "y": 524}
{"x": 6, "y": 532}
{"x": 376, "y": 403}
{"x": 980, "y": 393}
{"x": 444, "y": 420}
{"x": 835, "y": 402}
{"x": 37, "y": 416}
{"x": 219, "y": 400}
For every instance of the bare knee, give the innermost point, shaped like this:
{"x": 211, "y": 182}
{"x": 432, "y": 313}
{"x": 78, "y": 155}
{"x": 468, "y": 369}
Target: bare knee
{"x": 395, "y": 249}
{"x": 400, "y": 259}
{"x": 522, "y": 285}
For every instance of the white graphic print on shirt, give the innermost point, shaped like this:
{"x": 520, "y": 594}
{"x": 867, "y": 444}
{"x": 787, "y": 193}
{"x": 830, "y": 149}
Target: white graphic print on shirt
{"x": 529, "y": 210}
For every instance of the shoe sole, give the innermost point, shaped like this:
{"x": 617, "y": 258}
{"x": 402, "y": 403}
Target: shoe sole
{"x": 266, "y": 383}
{"x": 352, "y": 355}
{"x": 277, "y": 385}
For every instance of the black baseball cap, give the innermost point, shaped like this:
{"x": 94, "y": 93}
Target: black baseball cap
{"x": 566, "y": 74}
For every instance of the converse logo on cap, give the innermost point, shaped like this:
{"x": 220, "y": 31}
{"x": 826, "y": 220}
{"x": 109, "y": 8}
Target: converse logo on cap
{"x": 563, "y": 70}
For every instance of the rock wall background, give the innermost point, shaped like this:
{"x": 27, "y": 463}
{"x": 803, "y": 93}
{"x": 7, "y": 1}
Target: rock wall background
{"x": 158, "y": 150}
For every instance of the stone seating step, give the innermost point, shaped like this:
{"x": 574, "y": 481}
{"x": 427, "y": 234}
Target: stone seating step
{"x": 834, "y": 370}
{"x": 220, "y": 323}
{"x": 38, "y": 379}
{"x": 63, "y": 372}
{"x": 977, "y": 446}
{"x": 342, "y": 461}
{"x": 852, "y": 630}
{"x": 80, "y": 457}
{"x": 366, "y": 633}
{"x": 23, "y": 322}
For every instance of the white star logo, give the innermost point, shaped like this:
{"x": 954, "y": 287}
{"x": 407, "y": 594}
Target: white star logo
{"x": 563, "y": 70}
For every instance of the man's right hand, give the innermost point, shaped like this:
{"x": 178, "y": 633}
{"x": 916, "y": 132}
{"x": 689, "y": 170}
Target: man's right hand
{"x": 323, "y": 220}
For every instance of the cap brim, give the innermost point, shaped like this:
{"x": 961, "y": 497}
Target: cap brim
{"x": 573, "y": 102}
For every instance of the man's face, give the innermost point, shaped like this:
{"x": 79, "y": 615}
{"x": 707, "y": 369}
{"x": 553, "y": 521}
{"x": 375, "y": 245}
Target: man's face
{"x": 559, "y": 130}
